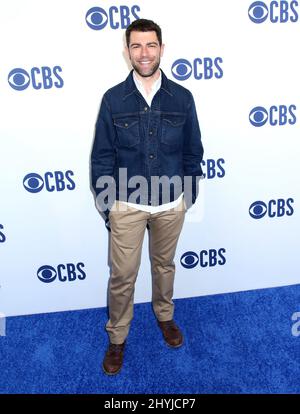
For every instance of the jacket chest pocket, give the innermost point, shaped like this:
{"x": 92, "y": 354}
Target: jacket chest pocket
{"x": 172, "y": 132}
{"x": 127, "y": 129}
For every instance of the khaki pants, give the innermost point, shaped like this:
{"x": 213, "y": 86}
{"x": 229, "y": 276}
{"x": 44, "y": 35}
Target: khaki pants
{"x": 127, "y": 234}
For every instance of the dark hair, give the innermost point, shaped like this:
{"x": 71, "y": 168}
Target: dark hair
{"x": 143, "y": 25}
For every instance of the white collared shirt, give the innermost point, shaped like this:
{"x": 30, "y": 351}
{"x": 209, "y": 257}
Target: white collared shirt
{"x": 155, "y": 87}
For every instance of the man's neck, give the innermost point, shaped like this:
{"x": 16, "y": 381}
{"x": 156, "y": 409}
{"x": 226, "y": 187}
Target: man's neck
{"x": 148, "y": 82}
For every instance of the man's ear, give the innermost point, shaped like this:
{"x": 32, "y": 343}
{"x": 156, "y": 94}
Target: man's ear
{"x": 126, "y": 51}
{"x": 162, "y": 49}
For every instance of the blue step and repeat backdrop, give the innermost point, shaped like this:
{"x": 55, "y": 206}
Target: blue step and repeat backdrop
{"x": 239, "y": 59}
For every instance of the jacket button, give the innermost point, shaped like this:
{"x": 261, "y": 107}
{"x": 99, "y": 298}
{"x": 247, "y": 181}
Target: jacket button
{"x": 151, "y": 156}
{"x": 126, "y": 124}
{"x": 151, "y": 133}
{"x": 145, "y": 109}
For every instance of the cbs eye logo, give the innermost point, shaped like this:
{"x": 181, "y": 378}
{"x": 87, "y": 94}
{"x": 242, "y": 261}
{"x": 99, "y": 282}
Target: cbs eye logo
{"x": 40, "y": 78}
{"x": 189, "y": 260}
{"x": 258, "y": 12}
{"x": 46, "y": 274}
{"x": 33, "y": 183}
{"x": 56, "y": 181}
{"x": 278, "y": 12}
{"x": 64, "y": 272}
{"x": 96, "y": 18}
{"x": 117, "y": 17}
{"x": 258, "y": 116}
{"x": 200, "y": 68}
{"x": 258, "y": 209}
{"x": 182, "y": 69}
{"x": 18, "y": 79}
{"x": 273, "y": 208}
{"x": 275, "y": 116}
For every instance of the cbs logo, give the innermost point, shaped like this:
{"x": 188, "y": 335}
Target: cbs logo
{"x": 199, "y": 68}
{"x": 275, "y": 116}
{"x": 273, "y": 208}
{"x": 63, "y": 272}
{"x": 117, "y": 17}
{"x": 278, "y": 12}
{"x": 52, "y": 181}
{"x": 206, "y": 258}
{"x": 40, "y": 78}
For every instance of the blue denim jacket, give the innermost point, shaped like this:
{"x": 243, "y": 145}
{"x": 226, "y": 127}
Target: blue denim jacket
{"x": 161, "y": 140}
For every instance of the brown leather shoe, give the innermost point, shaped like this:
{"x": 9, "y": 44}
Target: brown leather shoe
{"x": 113, "y": 359}
{"x": 171, "y": 333}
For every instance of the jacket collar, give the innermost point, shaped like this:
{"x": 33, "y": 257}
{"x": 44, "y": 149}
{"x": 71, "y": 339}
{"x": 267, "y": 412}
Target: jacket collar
{"x": 130, "y": 87}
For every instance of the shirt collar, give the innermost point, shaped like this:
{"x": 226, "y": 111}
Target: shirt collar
{"x": 155, "y": 87}
{"x": 130, "y": 87}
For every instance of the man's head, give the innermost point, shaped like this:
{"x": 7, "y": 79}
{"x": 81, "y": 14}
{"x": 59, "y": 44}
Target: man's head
{"x": 144, "y": 46}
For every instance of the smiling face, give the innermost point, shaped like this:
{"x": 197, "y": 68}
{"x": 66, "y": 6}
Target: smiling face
{"x": 144, "y": 52}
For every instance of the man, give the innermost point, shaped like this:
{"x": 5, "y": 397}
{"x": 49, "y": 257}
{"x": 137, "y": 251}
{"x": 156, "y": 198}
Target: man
{"x": 147, "y": 129}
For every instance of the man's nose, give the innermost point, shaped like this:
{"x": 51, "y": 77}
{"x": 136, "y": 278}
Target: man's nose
{"x": 144, "y": 51}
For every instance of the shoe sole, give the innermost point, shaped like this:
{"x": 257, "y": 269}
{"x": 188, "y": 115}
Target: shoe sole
{"x": 174, "y": 346}
{"x": 111, "y": 373}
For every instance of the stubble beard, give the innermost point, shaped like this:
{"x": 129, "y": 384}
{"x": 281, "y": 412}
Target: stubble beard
{"x": 147, "y": 74}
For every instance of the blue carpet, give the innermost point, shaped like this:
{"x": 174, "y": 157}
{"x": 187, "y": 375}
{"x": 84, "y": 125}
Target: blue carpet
{"x": 234, "y": 343}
